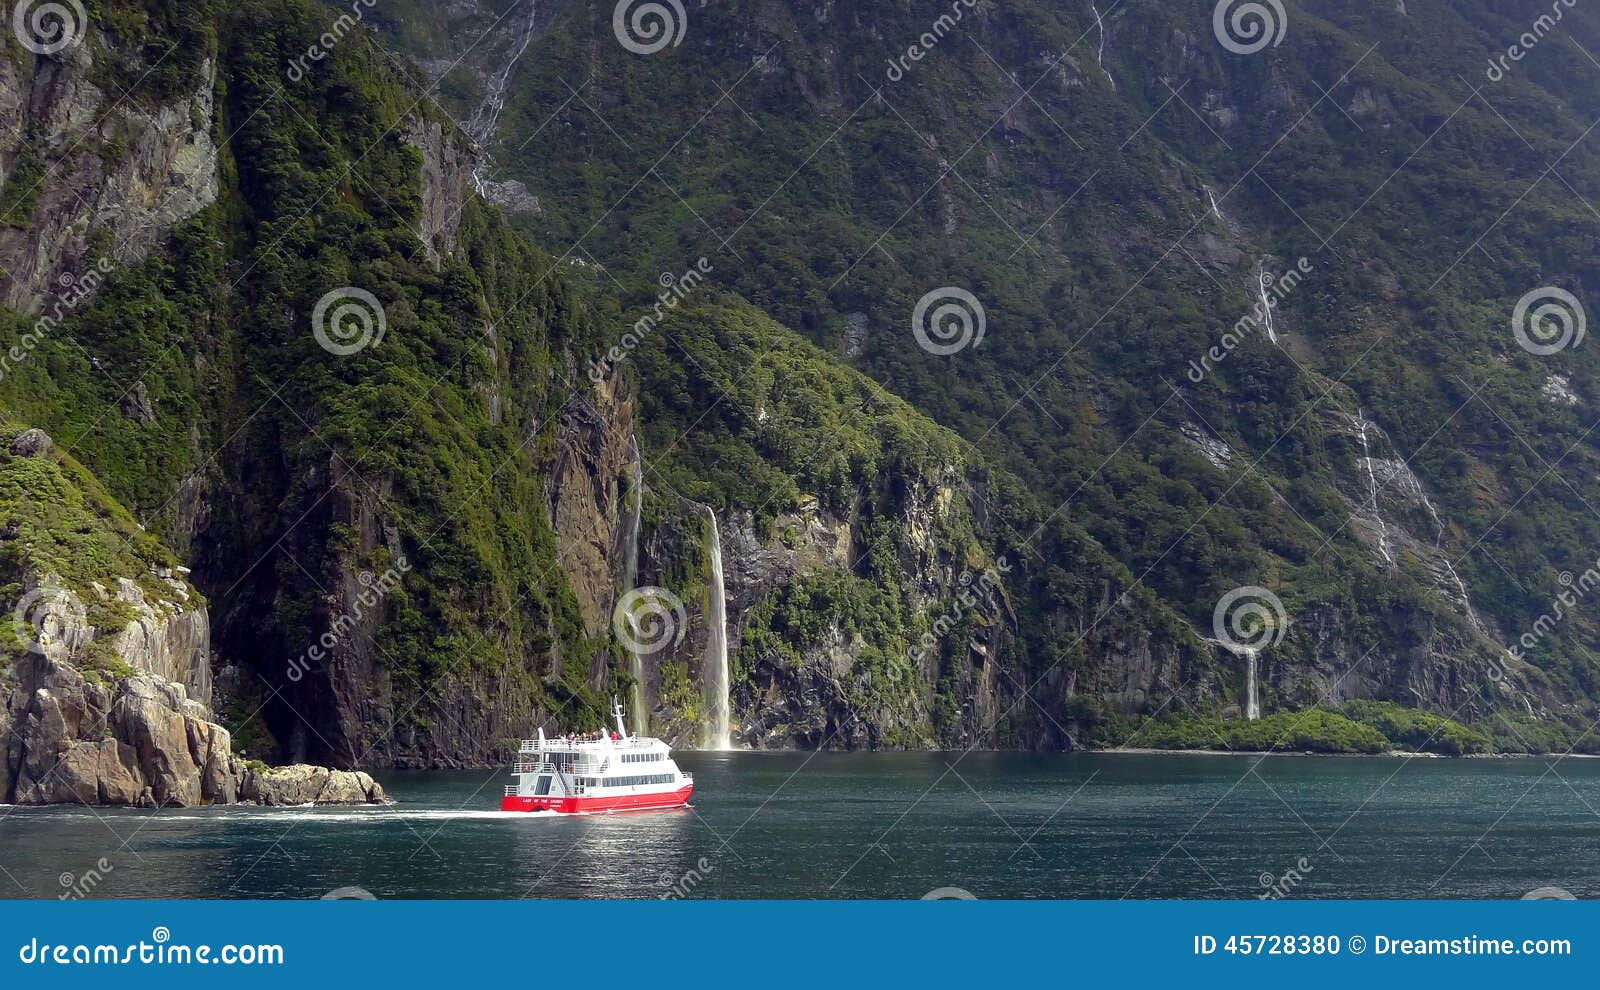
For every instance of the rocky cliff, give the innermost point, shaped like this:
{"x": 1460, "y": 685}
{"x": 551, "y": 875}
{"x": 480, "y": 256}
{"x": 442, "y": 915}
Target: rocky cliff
{"x": 90, "y": 175}
{"x": 106, "y": 677}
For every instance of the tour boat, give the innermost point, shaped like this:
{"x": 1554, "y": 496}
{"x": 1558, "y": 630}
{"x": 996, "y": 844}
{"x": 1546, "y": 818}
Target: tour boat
{"x": 596, "y": 771}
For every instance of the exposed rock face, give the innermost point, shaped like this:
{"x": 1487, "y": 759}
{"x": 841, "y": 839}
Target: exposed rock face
{"x": 161, "y": 170}
{"x": 166, "y": 639}
{"x": 511, "y": 196}
{"x": 446, "y": 183}
{"x": 142, "y": 742}
{"x": 594, "y": 447}
{"x": 146, "y": 739}
{"x": 1391, "y": 512}
{"x": 828, "y": 696}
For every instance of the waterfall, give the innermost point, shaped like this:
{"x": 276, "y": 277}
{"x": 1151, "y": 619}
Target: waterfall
{"x": 485, "y": 120}
{"x": 715, "y": 665}
{"x": 1100, "y": 55}
{"x": 1372, "y": 484}
{"x": 630, "y": 579}
{"x": 1266, "y": 304}
{"x": 1215, "y": 209}
{"x": 1252, "y": 697}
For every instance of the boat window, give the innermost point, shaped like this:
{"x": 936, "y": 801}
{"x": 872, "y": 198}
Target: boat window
{"x": 543, "y": 786}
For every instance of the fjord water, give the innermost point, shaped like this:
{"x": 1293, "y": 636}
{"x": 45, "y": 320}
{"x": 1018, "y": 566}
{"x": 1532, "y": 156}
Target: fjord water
{"x": 878, "y": 825}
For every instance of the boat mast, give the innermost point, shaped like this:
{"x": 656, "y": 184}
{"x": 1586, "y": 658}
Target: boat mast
{"x": 622, "y": 723}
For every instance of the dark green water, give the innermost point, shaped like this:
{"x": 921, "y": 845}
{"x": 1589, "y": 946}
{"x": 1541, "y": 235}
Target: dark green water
{"x": 878, "y": 825}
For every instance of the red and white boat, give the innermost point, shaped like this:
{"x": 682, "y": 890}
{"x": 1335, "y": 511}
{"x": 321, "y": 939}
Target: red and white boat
{"x": 596, "y": 771}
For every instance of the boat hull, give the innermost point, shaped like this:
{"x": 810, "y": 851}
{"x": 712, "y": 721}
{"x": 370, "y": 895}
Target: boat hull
{"x": 592, "y": 805}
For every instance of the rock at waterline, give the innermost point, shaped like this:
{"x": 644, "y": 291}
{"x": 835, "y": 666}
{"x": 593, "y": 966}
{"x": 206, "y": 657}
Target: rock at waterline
{"x": 140, "y": 741}
{"x": 302, "y": 784}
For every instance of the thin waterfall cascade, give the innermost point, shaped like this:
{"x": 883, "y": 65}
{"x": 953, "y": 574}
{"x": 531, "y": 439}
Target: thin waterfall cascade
{"x": 630, "y": 579}
{"x": 1100, "y": 53}
{"x": 1405, "y": 487}
{"x": 1372, "y": 486}
{"x": 485, "y": 120}
{"x": 1252, "y": 694}
{"x": 1262, "y": 283}
{"x": 1215, "y": 209}
{"x": 715, "y": 675}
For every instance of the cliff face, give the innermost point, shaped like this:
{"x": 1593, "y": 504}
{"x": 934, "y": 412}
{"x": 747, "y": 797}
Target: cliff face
{"x": 93, "y": 714}
{"x": 140, "y": 741}
{"x": 89, "y": 175}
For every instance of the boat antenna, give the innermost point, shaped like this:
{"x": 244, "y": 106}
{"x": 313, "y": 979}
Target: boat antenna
{"x": 622, "y": 723}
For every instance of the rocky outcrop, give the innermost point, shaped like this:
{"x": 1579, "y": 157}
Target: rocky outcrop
{"x": 446, "y": 184}
{"x": 169, "y": 638}
{"x": 118, "y": 171}
{"x": 71, "y": 733}
{"x": 300, "y": 784}
{"x": 32, "y": 443}
{"x": 70, "y": 738}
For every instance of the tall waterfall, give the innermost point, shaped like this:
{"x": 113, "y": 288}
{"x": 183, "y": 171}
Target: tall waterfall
{"x": 1252, "y": 695}
{"x": 630, "y": 579}
{"x": 715, "y": 665}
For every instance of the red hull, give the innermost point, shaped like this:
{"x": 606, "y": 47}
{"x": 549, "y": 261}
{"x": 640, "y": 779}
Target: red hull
{"x": 589, "y": 805}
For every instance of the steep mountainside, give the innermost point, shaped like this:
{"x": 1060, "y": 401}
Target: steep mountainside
{"x": 1225, "y": 435}
{"x": 1249, "y": 303}
{"x": 362, "y": 411}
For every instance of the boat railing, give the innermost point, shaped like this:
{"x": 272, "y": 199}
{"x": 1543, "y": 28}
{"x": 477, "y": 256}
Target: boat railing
{"x": 562, "y": 743}
{"x": 511, "y": 790}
